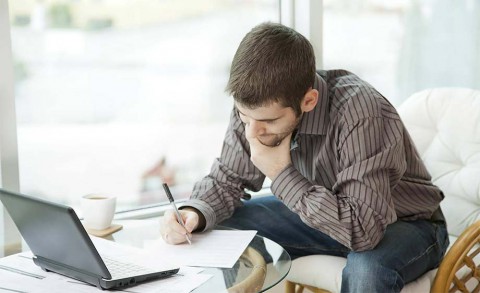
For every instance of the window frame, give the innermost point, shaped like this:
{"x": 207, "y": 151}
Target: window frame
{"x": 9, "y": 234}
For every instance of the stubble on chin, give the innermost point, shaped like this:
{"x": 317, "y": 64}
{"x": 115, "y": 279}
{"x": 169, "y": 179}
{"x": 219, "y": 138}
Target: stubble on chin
{"x": 278, "y": 138}
{"x": 276, "y": 141}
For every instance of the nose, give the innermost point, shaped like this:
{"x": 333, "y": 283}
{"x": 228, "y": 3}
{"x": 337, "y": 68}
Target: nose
{"x": 254, "y": 128}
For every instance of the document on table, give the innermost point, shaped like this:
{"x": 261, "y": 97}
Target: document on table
{"x": 216, "y": 248}
{"x": 136, "y": 255}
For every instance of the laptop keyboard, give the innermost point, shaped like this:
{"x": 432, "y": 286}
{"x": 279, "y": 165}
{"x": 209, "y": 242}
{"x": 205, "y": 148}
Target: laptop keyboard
{"x": 119, "y": 269}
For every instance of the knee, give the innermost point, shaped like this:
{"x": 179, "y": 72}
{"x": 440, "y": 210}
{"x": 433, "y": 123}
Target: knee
{"x": 363, "y": 273}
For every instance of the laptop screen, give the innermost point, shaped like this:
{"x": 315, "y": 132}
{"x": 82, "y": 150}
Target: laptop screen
{"x": 54, "y": 232}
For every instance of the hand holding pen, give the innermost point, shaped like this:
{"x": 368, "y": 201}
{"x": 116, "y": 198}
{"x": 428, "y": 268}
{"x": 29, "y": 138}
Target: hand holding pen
{"x": 179, "y": 217}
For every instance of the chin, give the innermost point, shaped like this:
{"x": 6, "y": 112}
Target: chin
{"x": 272, "y": 143}
{"x": 273, "y": 140}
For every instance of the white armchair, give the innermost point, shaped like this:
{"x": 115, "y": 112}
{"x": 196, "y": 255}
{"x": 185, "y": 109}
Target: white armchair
{"x": 445, "y": 125}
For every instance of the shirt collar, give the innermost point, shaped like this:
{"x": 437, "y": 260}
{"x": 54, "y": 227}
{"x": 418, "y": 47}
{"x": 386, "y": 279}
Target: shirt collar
{"x": 317, "y": 120}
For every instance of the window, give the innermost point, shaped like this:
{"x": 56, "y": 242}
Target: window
{"x": 116, "y": 96}
{"x": 401, "y": 47}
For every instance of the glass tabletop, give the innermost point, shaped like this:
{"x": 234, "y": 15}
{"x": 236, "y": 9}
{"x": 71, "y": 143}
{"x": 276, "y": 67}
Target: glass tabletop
{"x": 262, "y": 265}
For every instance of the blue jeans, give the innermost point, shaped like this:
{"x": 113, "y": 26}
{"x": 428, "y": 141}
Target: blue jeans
{"x": 408, "y": 249}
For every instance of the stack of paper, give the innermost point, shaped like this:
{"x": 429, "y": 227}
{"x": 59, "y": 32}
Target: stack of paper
{"x": 220, "y": 248}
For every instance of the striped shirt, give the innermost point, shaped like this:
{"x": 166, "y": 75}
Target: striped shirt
{"x": 354, "y": 167}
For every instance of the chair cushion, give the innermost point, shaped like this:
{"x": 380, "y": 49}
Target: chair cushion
{"x": 325, "y": 272}
{"x": 321, "y": 271}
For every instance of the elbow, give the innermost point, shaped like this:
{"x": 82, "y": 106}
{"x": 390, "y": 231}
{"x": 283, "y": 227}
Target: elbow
{"x": 367, "y": 241}
{"x": 364, "y": 246}
{"x": 368, "y": 234}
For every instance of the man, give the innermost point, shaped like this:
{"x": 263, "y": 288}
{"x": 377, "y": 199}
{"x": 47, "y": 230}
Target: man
{"x": 346, "y": 177}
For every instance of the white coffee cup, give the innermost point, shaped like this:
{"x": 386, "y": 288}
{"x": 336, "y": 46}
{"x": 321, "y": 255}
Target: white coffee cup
{"x": 98, "y": 211}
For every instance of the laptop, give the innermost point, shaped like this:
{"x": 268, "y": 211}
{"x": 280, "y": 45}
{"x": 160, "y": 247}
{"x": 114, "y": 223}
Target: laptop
{"x": 60, "y": 244}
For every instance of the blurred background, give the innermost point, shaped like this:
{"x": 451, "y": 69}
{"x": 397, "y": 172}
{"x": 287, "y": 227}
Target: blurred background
{"x": 118, "y": 96}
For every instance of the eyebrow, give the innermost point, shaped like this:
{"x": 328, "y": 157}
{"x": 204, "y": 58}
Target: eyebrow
{"x": 261, "y": 120}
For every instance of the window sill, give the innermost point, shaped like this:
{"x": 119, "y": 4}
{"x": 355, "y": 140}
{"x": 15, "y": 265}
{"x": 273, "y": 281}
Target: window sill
{"x": 157, "y": 210}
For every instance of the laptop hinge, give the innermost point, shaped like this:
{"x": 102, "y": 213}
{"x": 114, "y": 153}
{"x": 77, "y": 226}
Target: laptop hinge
{"x": 68, "y": 271}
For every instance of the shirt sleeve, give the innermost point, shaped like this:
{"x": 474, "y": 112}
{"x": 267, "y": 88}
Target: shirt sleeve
{"x": 218, "y": 194}
{"x": 358, "y": 208}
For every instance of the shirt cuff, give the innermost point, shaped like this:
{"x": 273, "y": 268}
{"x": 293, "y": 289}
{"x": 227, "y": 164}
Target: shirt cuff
{"x": 203, "y": 208}
{"x": 289, "y": 186}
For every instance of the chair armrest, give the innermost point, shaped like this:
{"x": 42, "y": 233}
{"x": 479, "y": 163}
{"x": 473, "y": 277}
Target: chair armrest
{"x": 462, "y": 255}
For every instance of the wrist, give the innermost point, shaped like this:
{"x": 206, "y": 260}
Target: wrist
{"x": 278, "y": 171}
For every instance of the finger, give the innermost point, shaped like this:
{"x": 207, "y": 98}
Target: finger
{"x": 171, "y": 236}
{"x": 172, "y": 232}
{"x": 251, "y": 139}
{"x": 173, "y": 224}
{"x": 254, "y": 144}
{"x": 191, "y": 221}
{"x": 286, "y": 141}
{"x": 174, "y": 238}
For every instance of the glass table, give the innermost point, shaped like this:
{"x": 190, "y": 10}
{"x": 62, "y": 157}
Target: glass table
{"x": 262, "y": 265}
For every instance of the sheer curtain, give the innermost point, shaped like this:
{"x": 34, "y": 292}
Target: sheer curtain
{"x": 441, "y": 46}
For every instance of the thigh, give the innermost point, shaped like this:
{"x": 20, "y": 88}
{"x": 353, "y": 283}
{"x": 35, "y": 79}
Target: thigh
{"x": 272, "y": 219}
{"x": 409, "y": 248}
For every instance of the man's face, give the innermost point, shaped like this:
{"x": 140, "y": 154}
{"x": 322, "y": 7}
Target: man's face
{"x": 269, "y": 124}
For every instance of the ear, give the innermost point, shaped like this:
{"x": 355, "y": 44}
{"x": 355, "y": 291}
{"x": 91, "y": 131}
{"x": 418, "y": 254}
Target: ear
{"x": 309, "y": 101}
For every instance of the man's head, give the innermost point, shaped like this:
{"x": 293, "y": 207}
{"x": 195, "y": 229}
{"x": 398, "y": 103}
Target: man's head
{"x": 271, "y": 81}
{"x": 273, "y": 63}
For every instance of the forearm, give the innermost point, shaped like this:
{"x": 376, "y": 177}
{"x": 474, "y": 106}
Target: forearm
{"x": 346, "y": 218}
{"x": 216, "y": 196}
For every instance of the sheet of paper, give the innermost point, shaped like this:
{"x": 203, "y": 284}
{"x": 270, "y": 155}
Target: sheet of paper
{"x": 19, "y": 274}
{"x": 217, "y": 248}
{"x": 138, "y": 256}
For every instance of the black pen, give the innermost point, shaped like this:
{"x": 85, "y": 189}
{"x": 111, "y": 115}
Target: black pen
{"x": 179, "y": 217}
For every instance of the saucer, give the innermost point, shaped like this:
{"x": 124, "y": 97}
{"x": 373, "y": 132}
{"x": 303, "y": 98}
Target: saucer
{"x": 105, "y": 232}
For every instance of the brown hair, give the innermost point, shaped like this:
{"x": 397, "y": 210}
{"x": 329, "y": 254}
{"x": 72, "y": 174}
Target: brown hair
{"x": 273, "y": 63}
